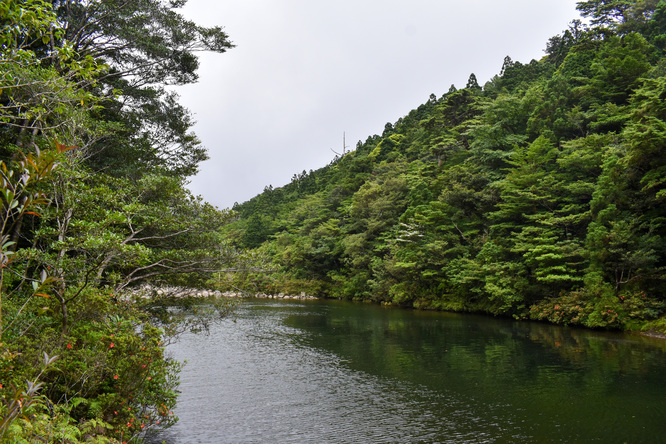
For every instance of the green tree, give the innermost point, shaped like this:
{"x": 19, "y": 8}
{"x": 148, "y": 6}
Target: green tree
{"x": 618, "y": 66}
{"x": 146, "y": 45}
{"x": 605, "y": 12}
{"x": 527, "y": 223}
{"x": 646, "y": 137}
{"x": 42, "y": 86}
{"x": 93, "y": 74}
{"x": 621, "y": 15}
{"x": 472, "y": 83}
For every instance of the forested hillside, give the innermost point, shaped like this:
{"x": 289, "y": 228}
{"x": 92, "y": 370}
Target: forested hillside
{"x": 95, "y": 153}
{"x": 540, "y": 195}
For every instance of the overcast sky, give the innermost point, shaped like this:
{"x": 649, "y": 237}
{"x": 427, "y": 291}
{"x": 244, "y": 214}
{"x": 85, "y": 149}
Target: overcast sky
{"x": 304, "y": 72}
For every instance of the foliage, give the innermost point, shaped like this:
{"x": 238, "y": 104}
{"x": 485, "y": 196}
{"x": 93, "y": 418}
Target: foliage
{"x": 146, "y": 45}
{"x": 94, "y": 159}
{"x": 539, "y": 196}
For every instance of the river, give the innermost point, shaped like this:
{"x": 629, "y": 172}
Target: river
{"x": 340, "y": 372}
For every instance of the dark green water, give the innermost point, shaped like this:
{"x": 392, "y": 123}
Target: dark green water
{"x": 321, "y": 371}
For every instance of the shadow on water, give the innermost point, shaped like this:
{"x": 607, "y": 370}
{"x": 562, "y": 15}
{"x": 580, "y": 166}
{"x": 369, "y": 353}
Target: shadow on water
{"x": 328, "y": 371}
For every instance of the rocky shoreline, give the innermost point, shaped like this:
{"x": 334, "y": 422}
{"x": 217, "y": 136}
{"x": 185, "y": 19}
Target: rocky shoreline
{"x": 149, "y": 291}
{"x": 653, "y": 334}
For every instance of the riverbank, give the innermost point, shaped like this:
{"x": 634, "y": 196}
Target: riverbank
{"x": 150, "y": 291}
{"x": 651, "y": 334}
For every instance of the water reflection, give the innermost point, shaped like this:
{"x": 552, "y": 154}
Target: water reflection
{"x": 342, "y": 372}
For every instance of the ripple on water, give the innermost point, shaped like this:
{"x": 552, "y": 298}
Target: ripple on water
{"x": 250, "y": 382}
{"x": 342, "y": 373}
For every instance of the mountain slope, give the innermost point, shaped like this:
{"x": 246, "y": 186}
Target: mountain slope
{"x": 540, "y": 195}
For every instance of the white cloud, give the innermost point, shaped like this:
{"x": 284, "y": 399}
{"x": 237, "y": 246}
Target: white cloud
{"x": 304, "y": 71}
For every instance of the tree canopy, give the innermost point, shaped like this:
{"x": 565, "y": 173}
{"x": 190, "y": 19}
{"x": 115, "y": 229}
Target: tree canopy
{"x": 537, "y": 196}
{"x": 94, "y": 159}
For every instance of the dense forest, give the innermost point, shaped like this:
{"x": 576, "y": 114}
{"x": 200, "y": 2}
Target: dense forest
{"x": 539, "y": 195}
{"x": 95, "y": 153}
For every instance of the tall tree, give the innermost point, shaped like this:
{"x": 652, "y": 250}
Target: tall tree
{"x": 42, "y": 86}
{"x": 146, "y": 45}
{"x": 623, "y": 16}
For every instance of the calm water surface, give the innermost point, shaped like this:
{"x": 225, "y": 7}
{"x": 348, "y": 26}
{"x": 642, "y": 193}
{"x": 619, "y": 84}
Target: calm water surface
{"x": 338, "y": 372}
